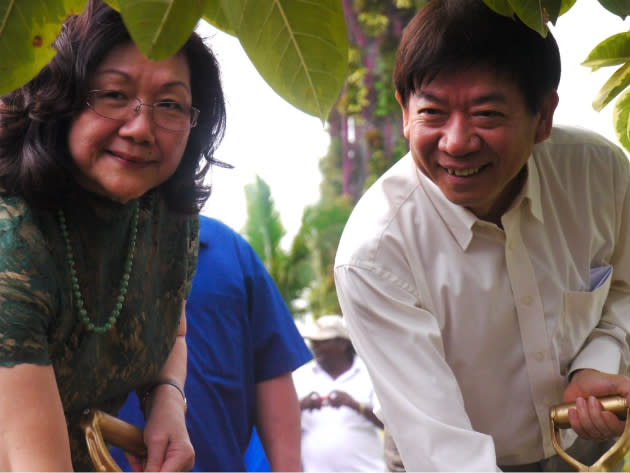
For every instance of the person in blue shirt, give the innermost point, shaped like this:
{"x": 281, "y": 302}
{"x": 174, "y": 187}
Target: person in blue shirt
{"x": 242, "y": 348}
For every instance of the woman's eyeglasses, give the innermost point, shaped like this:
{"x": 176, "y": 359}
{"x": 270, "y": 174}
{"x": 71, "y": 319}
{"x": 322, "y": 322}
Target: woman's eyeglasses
{"x": 168, "y": 114}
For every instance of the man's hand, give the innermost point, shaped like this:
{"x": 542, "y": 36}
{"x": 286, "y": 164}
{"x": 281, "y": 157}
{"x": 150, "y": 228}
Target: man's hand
{"x": 341, "y": 398}
{"x": 588, "y": 420}
{"x": 311, "y": 401}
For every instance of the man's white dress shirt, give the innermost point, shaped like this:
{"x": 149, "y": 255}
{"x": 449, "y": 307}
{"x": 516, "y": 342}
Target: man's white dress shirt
{"x": 470, "y": 331}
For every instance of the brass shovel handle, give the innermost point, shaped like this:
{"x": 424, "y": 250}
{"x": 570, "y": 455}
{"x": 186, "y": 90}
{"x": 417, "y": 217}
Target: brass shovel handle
{"x": 102, "y": 429}
{"x": 616, "y": 404}
{"x": 559, "y": 419}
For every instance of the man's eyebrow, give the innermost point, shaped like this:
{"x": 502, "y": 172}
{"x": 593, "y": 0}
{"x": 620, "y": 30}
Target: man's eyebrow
{"x": 492, "y": 97}
{"x": 430, "y": 97}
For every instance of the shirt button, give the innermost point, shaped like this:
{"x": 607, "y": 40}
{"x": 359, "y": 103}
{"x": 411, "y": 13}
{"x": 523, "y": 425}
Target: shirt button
{"x": 510, "y": 245}
{"x": 527, "y": 300}
{"x": 539, "y": 356}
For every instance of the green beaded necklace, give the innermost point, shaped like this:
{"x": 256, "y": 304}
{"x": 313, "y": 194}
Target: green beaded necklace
{"x": 124, "y": 282}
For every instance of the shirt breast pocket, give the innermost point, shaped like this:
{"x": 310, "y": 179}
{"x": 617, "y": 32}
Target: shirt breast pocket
{"x": 581, "y": 313}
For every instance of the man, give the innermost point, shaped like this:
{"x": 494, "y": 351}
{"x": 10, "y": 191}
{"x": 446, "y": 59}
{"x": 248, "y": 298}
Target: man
{"x": 485, "y": 277}
{"x": 242, "y": 348}
{"x": 339, "y": 429}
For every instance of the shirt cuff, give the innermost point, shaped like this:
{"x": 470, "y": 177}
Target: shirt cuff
{"x": 601, "y": 354}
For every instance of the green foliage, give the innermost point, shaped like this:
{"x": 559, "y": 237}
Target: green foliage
{"x": 618, "y": 7}
{"x": 386, "y": 104}
{"x": 27, "y": 31}
{"x": 379, "y": 162}
{"x": 292, "y": 272}
{"x": 263, "y": 228}
{"x": 330, "y": 168}
{"x": 611, "y": 52}
{"x": 213, "y": 14}
{"x": 298, "y": 46}
{"x": 621, "y": 119}
{"x": 322, "y": 225}
{"x": 373, "y": 24}
{"x": 533, "y": 14}
{"x": 615, "y": 50}
{"x": 300, "y": 274}
{"x": 163, "y": 27}
{"x": 355, "y": 97}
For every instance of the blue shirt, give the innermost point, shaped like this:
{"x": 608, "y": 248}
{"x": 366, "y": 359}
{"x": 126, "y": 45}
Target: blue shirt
{"x": 240, "y": 333}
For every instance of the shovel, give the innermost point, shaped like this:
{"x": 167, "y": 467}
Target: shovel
{"x": 102, "y": 429}
{"x": 559, "y": 419}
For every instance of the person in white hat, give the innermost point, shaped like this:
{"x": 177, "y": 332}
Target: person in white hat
{"x": 339, "y": 429}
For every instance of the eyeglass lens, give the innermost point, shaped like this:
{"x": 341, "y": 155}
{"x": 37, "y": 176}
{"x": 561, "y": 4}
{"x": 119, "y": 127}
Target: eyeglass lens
{"x": 170, "y": 115}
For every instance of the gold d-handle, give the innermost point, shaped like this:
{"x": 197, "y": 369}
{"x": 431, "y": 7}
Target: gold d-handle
{"x": 101, "y": 429}
{"x": 559, "y": 417}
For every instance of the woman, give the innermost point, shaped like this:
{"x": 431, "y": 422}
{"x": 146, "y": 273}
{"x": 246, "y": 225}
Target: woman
{"x": 101, "y": 170}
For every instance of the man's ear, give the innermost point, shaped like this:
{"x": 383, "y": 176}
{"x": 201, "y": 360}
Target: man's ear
{"x": 405, "y": 115}
{"x": 545, "y": 120}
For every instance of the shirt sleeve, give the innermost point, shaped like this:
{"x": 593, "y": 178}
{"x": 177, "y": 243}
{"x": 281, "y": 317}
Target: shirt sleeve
{"x": 279, "y": 347}
{"x": 26, "y": 288}
{"x": 607, "y": 347}
{"x": 391, "y": 332}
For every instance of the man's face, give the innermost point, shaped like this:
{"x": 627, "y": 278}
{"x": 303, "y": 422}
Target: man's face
{"x": 329, "y": 350}
{"x": 471, "y": 133}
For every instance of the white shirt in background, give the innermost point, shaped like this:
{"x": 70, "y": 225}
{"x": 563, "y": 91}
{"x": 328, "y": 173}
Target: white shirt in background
{"x": 338, "y": 439}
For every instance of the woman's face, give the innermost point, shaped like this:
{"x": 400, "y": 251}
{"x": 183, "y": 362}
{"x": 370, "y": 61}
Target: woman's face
{"x": 123, "y": 159}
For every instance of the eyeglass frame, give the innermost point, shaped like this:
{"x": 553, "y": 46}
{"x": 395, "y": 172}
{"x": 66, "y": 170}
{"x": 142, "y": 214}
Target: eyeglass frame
{"x": 194, "y": 112}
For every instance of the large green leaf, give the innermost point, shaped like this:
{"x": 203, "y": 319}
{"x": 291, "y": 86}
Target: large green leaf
{"x": 621, "y": 119}
{"x": 535, "y": 14}
{"x": 530, "y": 13}
{"x": 620, "y": 8}
{"x": 160, "y": 27}
{"x": 213, "y": 14}
{"x": 613, "y": 86}
{"x": 566, "y": 6}
{"x": 298, "y": 46}
{"x": 552, "y": 9}
{"x": 610, "y": 52}
{"x": 27, "y": 31}
{"x": 502, "y": 7}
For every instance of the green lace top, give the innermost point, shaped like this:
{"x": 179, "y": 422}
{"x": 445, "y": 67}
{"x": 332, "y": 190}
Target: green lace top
{"x": 39, "y": 322}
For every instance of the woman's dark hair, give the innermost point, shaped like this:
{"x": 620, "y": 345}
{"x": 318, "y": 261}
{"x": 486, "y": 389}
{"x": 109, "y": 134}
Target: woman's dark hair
{"x": 35, "y": 119}
{"x": 453, "y": 35}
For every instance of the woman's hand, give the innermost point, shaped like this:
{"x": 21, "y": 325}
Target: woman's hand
{"x": 165, "y": 434}
{"x": 588, "y": 420}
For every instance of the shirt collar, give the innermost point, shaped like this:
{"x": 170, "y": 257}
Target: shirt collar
{"x": 346, "y": 374}
{"x": 531, "y": 190}
{"x": 461, "y": 221}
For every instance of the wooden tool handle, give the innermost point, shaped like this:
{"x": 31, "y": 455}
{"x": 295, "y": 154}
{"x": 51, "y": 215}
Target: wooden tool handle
{"x": 123, "y": 435}
{"x": 102, "y": 430}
